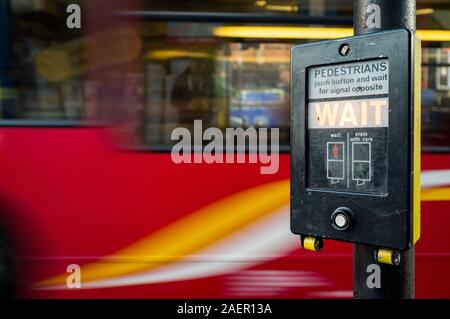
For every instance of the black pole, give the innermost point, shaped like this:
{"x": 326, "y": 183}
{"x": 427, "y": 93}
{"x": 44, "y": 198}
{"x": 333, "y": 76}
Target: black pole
{"x": 394, "y": 14}
{"x": 396, "y": 282}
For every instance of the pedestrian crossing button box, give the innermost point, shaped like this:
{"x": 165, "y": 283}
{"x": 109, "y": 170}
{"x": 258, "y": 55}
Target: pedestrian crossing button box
{"x": 355, "y": 139}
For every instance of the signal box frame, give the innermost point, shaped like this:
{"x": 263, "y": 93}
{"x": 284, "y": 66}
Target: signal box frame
{"x": 388, "y": 220}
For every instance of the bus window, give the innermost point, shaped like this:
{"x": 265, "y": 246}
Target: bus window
{"x": 436, "y": 98}
{"x": 192, "y": 75}
{"x": 41, "y": 76}
{"x": 157, "y": 75}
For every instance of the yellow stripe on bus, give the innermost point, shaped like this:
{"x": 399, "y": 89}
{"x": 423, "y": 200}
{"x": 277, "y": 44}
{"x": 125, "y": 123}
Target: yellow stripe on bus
{"x": 187, "y": 235}
{"x": 199, "y": 230}
{"x": 436, "y": 194}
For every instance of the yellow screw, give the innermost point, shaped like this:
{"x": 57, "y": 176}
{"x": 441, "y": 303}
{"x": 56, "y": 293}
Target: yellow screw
{"x": 388, "y": 256}
{"x": 312, "y": 243}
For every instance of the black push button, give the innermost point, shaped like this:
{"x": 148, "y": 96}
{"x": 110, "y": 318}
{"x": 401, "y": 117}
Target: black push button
{"x": 342, "y": 218}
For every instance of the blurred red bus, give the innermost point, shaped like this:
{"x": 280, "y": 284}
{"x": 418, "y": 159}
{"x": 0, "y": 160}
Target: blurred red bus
{"x": 87, "y": 179}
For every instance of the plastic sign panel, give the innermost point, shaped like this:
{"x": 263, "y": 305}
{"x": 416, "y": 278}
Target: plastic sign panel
{"x": 354, "y": 161}
{"x": 348, "y": 121}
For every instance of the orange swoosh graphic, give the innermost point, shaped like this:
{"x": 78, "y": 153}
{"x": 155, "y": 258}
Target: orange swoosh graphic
{"x": 199, "y": 230}
{"x": 187, "y": 235}
{"x": 435, "y": 194}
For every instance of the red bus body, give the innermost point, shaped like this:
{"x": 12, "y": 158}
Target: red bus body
{"x": 137, "y": 224}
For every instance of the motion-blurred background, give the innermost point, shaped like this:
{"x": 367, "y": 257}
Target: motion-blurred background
{"x": 86, "y": 176}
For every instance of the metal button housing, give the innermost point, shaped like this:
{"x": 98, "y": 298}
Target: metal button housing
{"x": 342, "y": 218}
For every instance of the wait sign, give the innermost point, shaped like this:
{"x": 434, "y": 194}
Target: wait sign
{"x": 349, "y": 113}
